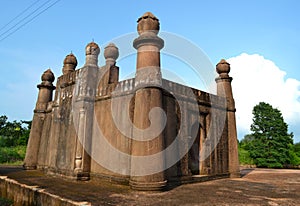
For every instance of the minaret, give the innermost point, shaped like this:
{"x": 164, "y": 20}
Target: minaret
{"x": 224, "y": 89}
{"x": 44, "y": 97}
{"x": 148, "y": 96}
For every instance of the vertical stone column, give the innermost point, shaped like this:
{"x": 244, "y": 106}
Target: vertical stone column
{"x": 224, "y": 89}
{"x": 184, "y": 143}
{"x": 208, "y": 129}
{"x": 84, "y": 111}
{"x": 202, "y": 139}
{"x": 148, "y": 96}
{"x": 44, "y": 97}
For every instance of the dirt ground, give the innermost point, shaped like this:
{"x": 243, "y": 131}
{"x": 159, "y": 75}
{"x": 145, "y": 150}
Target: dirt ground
{"x": 256, "y": 187}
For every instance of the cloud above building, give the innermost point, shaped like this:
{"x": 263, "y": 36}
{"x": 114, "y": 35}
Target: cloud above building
{"x": 258, "y": 79}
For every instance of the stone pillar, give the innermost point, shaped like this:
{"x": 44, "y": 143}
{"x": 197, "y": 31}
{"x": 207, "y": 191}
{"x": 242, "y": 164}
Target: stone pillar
{"x": 44, "y": 97}
{"x": 84, "y": 111}
{"x": 148, "y": 96}
{"x": 224, "y": 89}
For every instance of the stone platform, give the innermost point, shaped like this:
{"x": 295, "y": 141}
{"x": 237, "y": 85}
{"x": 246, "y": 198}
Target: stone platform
{"x": 256, "y": 187}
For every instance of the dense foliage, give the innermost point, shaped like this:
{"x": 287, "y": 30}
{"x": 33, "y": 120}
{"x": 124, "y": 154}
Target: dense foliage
{"x": 244, "y": 147}
{"x": 270, "y": 145}
{"x": 13, "y": 139}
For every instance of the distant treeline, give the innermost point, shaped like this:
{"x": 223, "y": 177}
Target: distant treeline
{"x": 13, "y": 140}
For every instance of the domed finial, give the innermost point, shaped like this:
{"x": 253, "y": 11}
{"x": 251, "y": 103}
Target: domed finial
{"x": 70, "y": 63}
{"x": 148, "y": 23}
{"x": 48, "y": 76}
{"x": 111, "y": 53}
{"x": 71, "y": 59}
{"x": 223, "y": 67}
{"x": 92, "y": 49}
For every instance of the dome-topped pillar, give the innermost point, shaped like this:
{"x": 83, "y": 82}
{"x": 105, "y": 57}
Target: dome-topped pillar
{"x": 148, "y": 46}
{"x": 224, "y": 83}
{"x": 45, "y": 91}
{"x": 44, "y": 97}
{"x": 224, "y": 89}
{"x": 148, "y": 97}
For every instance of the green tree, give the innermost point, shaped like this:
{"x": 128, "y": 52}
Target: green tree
{"x": 244, "y": 148}
{"x": 246, "y": 142}
{"x": 295, "y": 154}
{"x": 13, "y": 133}
{"x": 272, "y": 144}
{"x": 13, "y": 140}
{"x": 297, "y": 149}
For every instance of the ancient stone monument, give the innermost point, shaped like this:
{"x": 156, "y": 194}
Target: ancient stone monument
{"x": 147, "y": 131}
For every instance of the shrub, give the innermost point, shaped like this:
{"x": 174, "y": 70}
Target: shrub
{"x": 12, "y": 154}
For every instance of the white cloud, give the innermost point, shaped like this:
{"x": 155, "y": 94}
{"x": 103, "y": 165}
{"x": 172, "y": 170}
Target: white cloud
{"x": 256, "y": 79}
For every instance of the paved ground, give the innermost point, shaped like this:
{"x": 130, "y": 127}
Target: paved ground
{"x": 256, "y": 187}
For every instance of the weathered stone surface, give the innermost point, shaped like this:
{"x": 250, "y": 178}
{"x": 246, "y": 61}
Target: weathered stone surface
{"x": 148, "y": 23}
{"x": 224, "y": 89}
{"x": 44, "y": 98}
{"x": 96, "y": 126}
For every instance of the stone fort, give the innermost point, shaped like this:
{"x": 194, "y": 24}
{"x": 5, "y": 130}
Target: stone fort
{"x": 147, "y": 131}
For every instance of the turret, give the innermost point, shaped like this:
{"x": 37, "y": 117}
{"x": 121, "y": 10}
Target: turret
{"x": 224, "y": 83}
{"x": 148, "y": 138}
{"x": 224, "y": 89}
{"x": 44, "y": 97}
{"x": 148, "y": 46}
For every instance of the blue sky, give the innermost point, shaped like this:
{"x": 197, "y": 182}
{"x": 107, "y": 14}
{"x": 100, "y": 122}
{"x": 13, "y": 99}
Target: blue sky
{"x": 263, "y": 31}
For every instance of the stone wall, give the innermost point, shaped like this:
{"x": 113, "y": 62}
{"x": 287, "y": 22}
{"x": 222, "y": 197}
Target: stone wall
{"x": 59, "y": 135}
